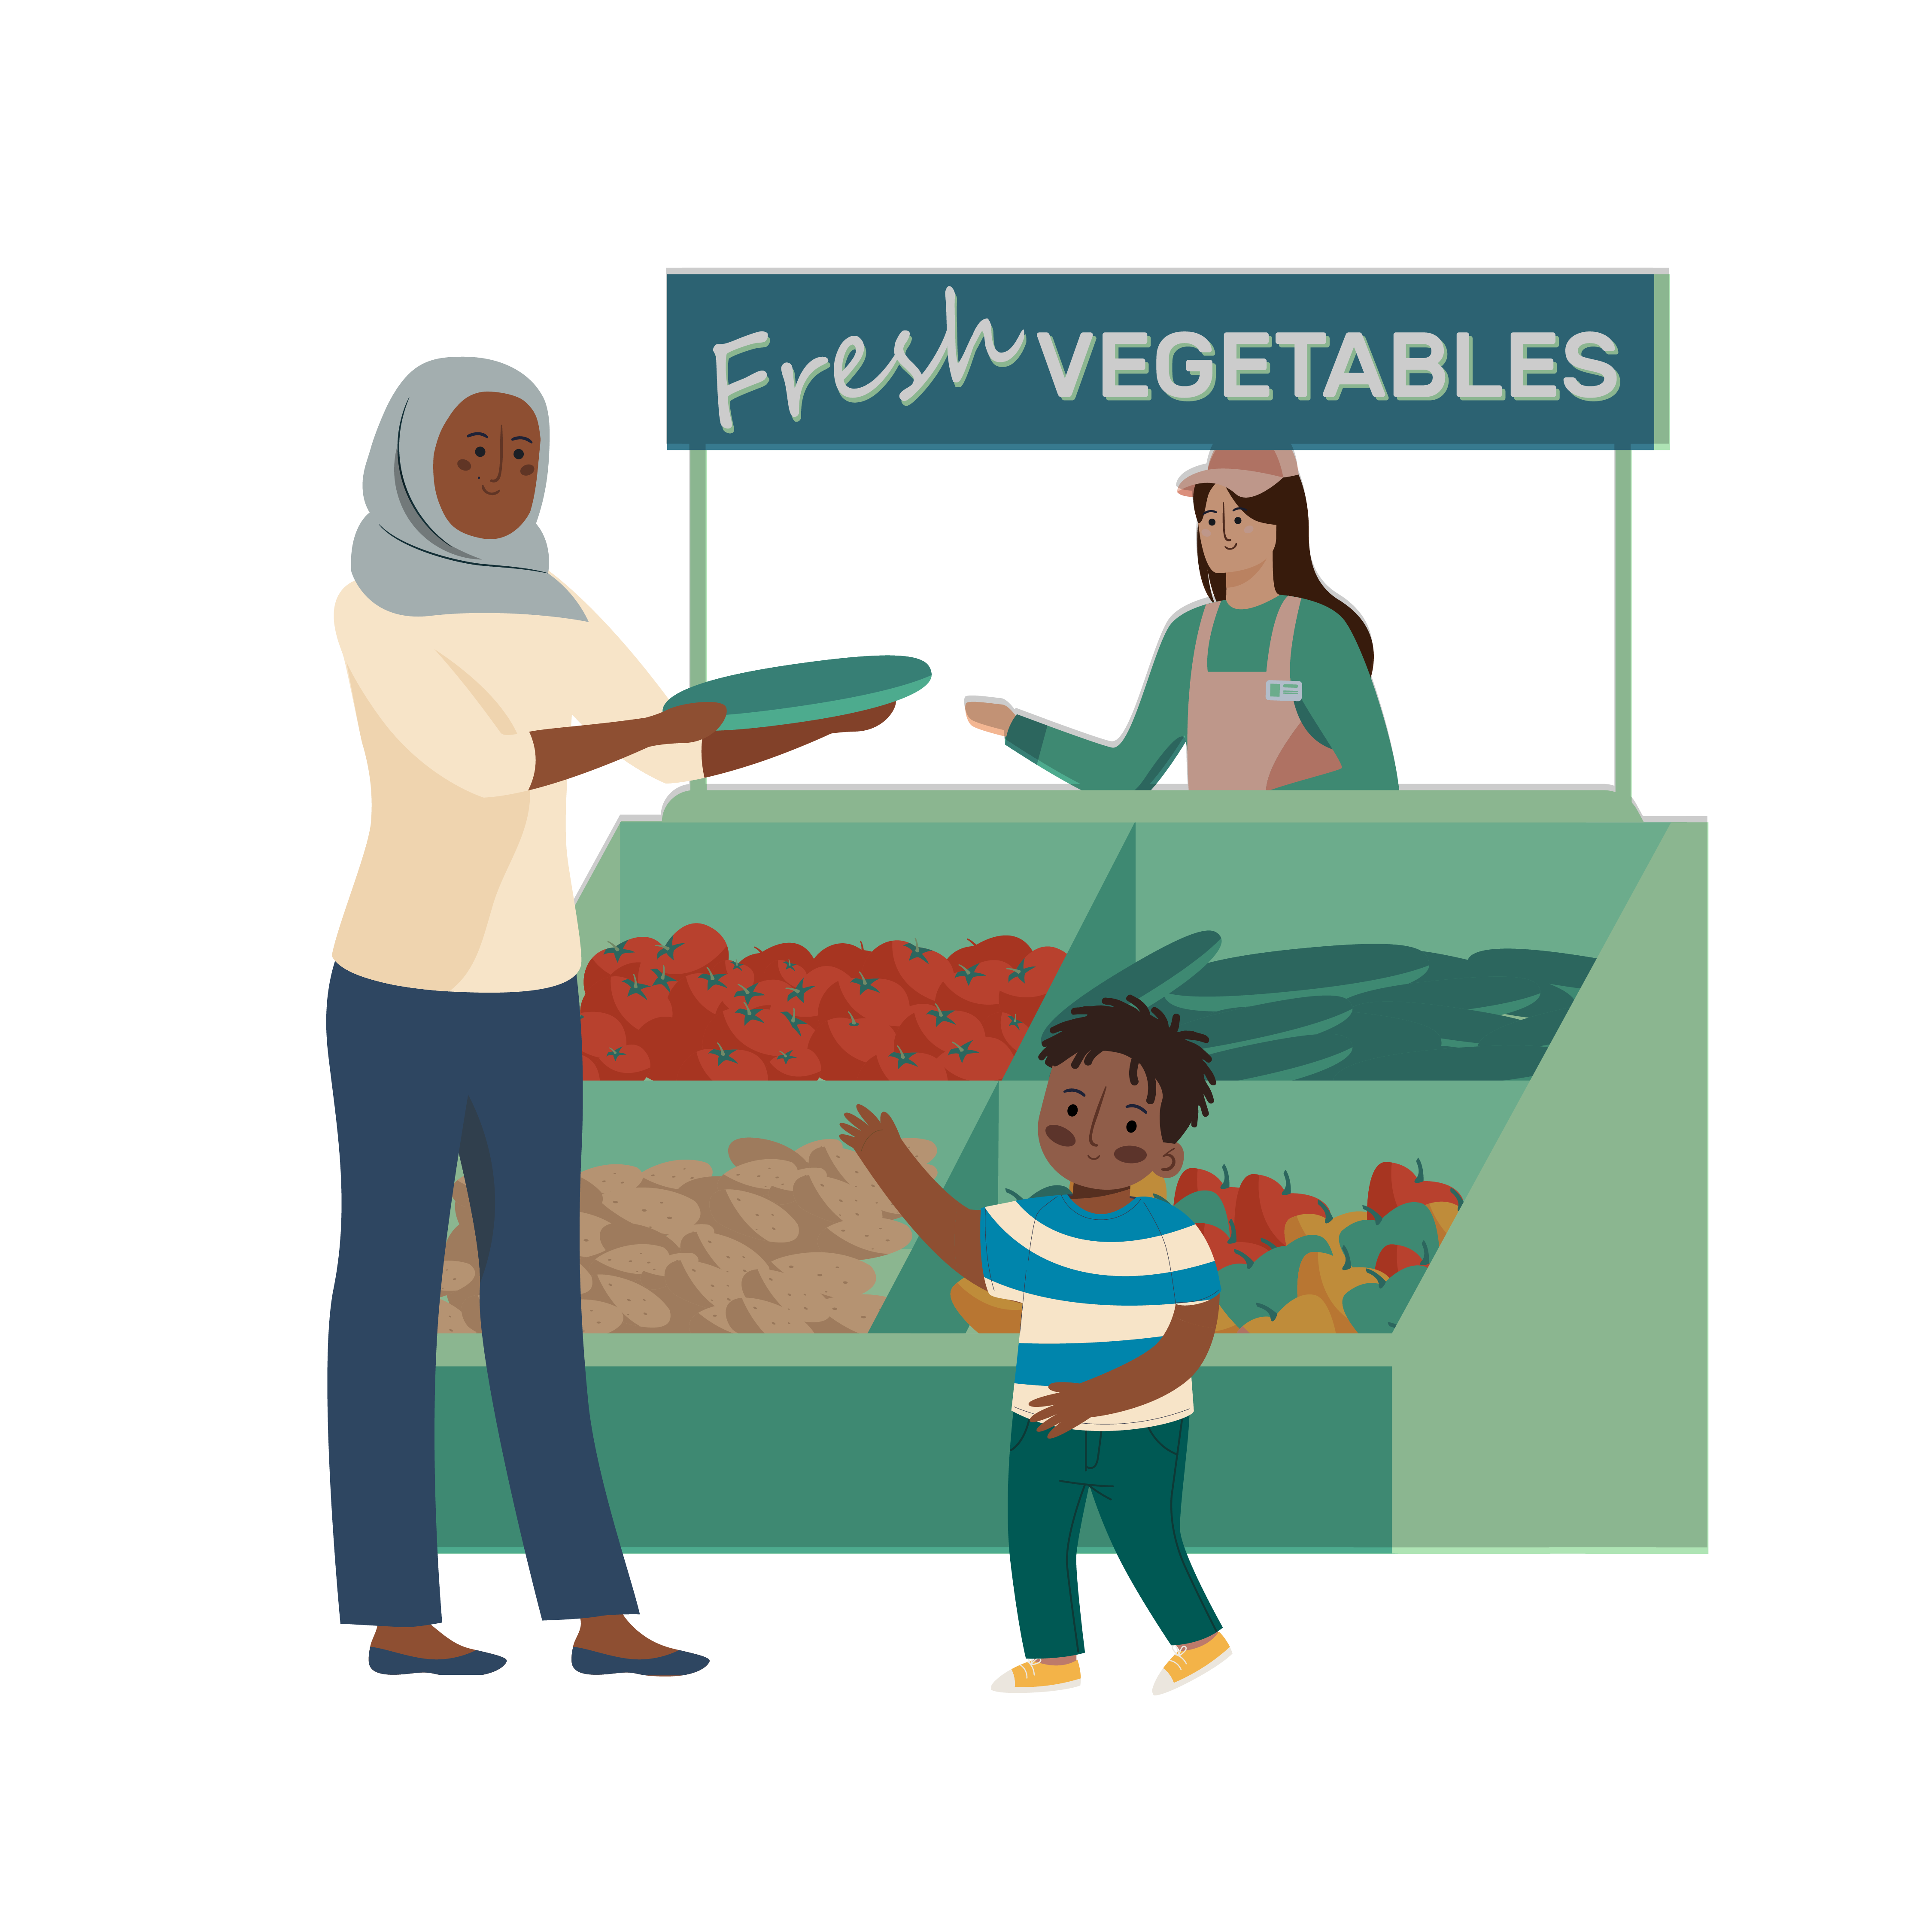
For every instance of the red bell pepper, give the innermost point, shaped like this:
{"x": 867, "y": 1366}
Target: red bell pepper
{"x": 1224, "y": 1251}
{"x": 1393, "y": 1260}
{"x": 1426, "y": 1191}
{"x": 1258, "y": 1214}
{"x": 1392, "y": 1184}
{"x": 1231, "y": 1201}
{"x": 1302, "y": 1204}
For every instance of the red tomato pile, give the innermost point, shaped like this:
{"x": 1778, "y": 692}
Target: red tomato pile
{"x": 682, "y": 1009}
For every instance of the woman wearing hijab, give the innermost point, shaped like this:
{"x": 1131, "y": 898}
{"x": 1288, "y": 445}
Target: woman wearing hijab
{"x": 1267, "y": 684}
{"x": 452, "y": 1009}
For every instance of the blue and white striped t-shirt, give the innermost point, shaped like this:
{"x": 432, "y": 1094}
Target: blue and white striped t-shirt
{"x": 1096, "y": 1291}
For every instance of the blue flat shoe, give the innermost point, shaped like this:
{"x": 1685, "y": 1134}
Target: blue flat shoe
{"x": 471, "y": 1664}
{"x": 602, "y": 1663}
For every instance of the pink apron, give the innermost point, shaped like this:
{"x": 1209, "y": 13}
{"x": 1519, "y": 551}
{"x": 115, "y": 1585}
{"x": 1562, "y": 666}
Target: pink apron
{"x": 1244, "y": 728}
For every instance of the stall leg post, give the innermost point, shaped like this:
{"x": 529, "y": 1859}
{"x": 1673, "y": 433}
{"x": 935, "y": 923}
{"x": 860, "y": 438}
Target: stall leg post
{"x": 699, "y": 554}
{"x": 1623, "y": 673}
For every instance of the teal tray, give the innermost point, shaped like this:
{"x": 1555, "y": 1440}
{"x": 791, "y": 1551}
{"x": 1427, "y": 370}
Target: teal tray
{"x": 797, "y": 694}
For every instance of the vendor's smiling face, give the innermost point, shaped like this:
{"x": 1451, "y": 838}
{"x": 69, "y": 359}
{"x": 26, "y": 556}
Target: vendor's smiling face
{"x": 1232, "y": 540}
{"x": 485, "y": 464}
{"x": 1100, "y": 1129}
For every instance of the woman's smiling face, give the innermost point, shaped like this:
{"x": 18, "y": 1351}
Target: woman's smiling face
{"x": 1100, "y": 1126}
{"x": 1232, "y": 540}
{"x": 485, "y": 464}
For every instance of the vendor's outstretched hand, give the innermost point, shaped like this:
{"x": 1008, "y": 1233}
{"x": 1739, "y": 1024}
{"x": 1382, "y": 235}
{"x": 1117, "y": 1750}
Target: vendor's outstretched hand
{"x": 984, "y": 714}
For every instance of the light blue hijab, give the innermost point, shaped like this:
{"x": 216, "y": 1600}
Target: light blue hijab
{"x": 408, "y": 556}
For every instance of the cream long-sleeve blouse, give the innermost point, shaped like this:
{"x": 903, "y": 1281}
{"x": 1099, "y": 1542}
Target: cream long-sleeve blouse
{"x": 465, "y": 884}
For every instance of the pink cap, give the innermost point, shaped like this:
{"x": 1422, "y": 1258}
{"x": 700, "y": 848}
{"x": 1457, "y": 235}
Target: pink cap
{"x": 1247, "y": 473}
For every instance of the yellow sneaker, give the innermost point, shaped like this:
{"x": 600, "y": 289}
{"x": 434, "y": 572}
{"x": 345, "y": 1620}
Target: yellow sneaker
{"x": 1034, "y": 1676}
{"x": 1184, "y": 1666}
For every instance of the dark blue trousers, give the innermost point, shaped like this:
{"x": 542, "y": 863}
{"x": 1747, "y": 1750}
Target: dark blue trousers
{"x": 421, "y": 1079}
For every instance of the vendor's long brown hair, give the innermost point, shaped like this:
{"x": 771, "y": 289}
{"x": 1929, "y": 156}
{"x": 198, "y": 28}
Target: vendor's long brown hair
{"x": 1285, "y": 506}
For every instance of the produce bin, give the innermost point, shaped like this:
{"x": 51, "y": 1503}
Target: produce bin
{"x": 1545, "y": 1389}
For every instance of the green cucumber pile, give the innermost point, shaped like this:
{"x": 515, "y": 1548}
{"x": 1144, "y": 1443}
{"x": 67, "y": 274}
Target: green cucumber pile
{"x": 1359, "y": 1013}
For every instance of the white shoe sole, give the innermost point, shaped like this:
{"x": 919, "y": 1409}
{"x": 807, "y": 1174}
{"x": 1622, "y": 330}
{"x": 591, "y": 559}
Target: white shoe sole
{"x": 1004, "y": 1681}
{"x": 1163, "y": 1684}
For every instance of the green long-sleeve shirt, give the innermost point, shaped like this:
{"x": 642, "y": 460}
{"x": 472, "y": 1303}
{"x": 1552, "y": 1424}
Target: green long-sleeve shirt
{"x": 1338, "y": 704}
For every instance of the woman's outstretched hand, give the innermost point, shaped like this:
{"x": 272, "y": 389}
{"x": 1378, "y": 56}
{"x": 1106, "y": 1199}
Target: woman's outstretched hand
{"x": 984, "y": 714}
{"x": 684, "y": 723}
{"x": 565, "y": 750}
{"x": 731, "y": 751}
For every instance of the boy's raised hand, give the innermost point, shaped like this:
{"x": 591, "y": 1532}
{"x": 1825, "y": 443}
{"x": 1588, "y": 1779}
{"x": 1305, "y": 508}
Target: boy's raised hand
{"x": 863, "y": 1125}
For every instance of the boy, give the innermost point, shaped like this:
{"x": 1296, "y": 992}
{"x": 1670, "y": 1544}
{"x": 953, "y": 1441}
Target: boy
{"x": 1119, "y": 1301}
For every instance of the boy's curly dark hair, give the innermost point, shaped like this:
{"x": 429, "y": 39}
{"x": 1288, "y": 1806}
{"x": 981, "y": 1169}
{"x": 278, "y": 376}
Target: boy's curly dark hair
{"x": 1177, "y": 1064}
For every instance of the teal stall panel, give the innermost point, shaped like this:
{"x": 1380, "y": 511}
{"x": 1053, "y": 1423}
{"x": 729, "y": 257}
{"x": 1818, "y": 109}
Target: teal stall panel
{"x": 903, "y": 1459}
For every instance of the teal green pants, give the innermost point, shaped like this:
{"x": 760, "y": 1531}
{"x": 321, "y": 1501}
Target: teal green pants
{"x": 1135, "y": 1476}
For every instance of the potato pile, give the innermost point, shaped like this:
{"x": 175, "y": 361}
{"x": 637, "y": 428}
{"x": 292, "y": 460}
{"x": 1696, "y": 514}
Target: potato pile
{"x": 781, "y": 1243}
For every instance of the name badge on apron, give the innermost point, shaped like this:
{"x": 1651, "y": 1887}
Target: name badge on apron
{"x": 1287, "y": 690}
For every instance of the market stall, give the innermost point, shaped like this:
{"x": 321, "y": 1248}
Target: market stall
{"x": 1544, "y": 1386}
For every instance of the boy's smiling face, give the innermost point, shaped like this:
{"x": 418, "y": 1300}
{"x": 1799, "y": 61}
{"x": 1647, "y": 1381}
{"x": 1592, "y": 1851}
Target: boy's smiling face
{"x": 1100, "y": 1130}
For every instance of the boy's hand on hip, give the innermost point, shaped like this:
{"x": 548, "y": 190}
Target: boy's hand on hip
{"x": 863, "y": 1128}
{"x": 1067, "y": 1405}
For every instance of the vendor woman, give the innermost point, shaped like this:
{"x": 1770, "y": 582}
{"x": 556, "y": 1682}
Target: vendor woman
{"x": 452, "y": 1010}
{"x": 1267, "y": 683}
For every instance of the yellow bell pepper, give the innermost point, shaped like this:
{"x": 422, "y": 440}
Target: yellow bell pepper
{"x": 1298, "y": 1224}
{"x": 1152, "y": 1184}
{"x": 1329, "y": 1277}
{"x": 1305, "y": 1315}
{"x": 1442, "y": 1213}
